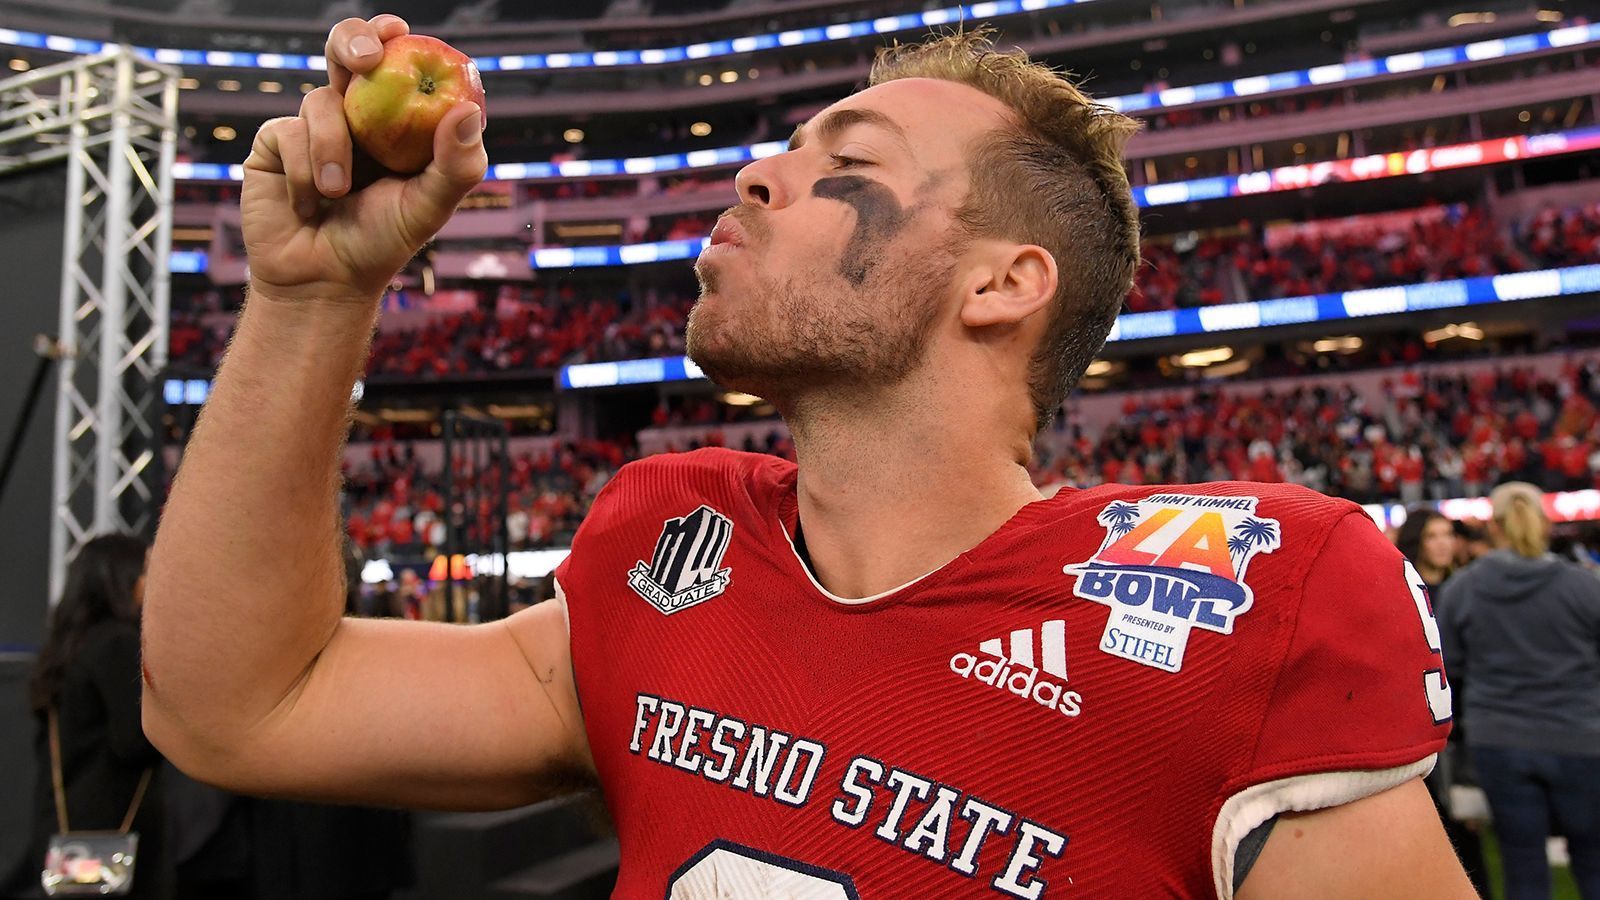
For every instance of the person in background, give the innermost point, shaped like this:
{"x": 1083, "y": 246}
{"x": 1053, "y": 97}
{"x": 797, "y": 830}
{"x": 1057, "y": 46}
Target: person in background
{"x": 234, "y": 847}
{"x": 314, "y": 851}
{"x": 88, "y": 671}
{"x": 1472, "y": 542}
{"x": 1520, "y": 631}
{"x": 1428, "y": 540}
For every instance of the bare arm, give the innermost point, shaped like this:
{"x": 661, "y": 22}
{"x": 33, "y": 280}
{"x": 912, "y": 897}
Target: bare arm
{"x": 253, "y": 679}
{"x": 1388, "y": 845}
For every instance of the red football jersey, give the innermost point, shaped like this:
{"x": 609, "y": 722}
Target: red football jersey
{"x": 1100, "y": 699}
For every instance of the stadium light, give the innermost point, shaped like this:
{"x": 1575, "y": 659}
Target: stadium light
{"x": 1347, "y": 344}
{"x": 1199, "y": 359}
{"x": 1343, "y": 73}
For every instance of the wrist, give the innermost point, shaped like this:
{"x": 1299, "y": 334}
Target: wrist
{"x": 316, "y": 297}
{"x": 327, "y": 329}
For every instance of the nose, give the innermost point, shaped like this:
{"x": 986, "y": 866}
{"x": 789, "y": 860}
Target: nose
{"x": 761, "y": 183}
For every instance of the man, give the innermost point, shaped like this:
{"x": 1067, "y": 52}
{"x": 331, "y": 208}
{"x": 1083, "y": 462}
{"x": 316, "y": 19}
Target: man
{"x": 894, "y": 672}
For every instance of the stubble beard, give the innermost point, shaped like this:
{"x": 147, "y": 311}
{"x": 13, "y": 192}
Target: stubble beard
{"x": 822, "y": 333}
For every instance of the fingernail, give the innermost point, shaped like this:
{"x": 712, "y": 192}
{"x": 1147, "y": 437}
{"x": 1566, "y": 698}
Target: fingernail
{"x": 468, "y": 130}
{"x": 332, "y": 176}
{"x": 306, "y": 208}
{"x": 363, "y": 45}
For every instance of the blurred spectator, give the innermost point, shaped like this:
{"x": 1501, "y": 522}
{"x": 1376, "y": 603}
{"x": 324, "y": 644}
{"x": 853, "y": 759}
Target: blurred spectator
{"x": 1521, "y": 635}
{"x": 308, "y": 851}
{"x": 1428, "y": 540}
{"x": 313, "y": 851}
{"x": 211, "y": 842}
{"x": 88, "y": 672}
{"x": 249, "y": 848}
{"x": 1472, "y": 542}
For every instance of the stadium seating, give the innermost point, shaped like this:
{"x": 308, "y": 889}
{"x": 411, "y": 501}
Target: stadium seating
{"x": 1412, "y": 434}
{"x": 538, "y": 328}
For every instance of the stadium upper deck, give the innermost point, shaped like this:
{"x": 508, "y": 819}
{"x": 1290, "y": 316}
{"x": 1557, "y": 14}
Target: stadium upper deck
{"x": 1124, "y": 46}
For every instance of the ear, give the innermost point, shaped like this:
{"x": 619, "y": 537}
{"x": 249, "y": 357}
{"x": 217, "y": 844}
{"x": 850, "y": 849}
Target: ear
{"x": 1011, "y": 283}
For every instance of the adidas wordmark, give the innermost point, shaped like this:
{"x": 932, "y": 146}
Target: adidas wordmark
{"x": 1013, "y": 670}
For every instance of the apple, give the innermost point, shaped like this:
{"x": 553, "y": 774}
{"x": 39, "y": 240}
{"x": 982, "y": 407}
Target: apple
{"x": 394, "y": 109}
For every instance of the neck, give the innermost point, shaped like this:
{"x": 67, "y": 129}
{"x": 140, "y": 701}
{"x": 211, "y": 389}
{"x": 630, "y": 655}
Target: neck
{"x": 895, "y": 484}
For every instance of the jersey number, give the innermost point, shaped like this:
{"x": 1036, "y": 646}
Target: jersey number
{"x": 723, "y": 870}
{"x": 1433, "y": 683}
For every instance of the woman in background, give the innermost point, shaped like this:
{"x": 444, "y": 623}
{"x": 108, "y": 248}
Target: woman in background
{"x": 88, "y": 670}
{"x": 1428, "y": 539}
{"x": 1521, "y": 636}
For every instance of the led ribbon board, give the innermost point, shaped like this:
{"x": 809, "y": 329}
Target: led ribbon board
{"x": 1284, "y": 178}
{"x": 1171, "y": 98}
{"x": 599, "y": 59}
{"x": 1398, "y": 63}
{"x": 1214, "y": 319}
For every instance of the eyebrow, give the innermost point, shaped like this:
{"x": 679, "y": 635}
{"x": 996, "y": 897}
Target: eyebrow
{"x": 840, "y": 120}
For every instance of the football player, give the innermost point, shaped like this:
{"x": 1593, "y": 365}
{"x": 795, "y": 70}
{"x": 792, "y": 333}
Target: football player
{"x": 892, "y": 671}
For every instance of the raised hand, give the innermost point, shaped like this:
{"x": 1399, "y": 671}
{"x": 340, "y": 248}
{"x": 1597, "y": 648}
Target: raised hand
{"x": 307, "y": 234}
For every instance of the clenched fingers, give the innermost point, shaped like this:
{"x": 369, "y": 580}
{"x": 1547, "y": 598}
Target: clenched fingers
{"x": 282, "y": 147}
{"x": 329, "y": 140}
{"x": 264, "y": 156}
{"x": 356, "y": 46}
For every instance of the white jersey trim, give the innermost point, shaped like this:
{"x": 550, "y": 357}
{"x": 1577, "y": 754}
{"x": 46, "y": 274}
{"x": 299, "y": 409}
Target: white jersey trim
{"x": 1248, "y": 809}
{"x": 561, "y": 598}
{"x": 835, "y": 597}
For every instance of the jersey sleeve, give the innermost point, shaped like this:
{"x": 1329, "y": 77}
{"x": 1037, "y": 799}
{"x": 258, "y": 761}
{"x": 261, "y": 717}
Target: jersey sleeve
{"x": 1360, "y": 703}
{"x": 1362, "y": 683}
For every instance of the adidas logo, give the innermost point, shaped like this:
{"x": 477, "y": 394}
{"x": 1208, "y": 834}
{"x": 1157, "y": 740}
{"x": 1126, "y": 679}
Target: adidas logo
{"x": 1012, "y": 665}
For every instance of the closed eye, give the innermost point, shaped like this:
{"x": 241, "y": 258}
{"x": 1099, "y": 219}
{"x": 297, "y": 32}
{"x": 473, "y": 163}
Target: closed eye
{"x": 846, "y": 162}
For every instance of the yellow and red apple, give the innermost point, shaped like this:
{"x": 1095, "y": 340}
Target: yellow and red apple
{"x": 394, "y": 109}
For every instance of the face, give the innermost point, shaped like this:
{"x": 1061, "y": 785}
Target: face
{"x": 1439, "y": 543}
{"x": 838, "y": 264}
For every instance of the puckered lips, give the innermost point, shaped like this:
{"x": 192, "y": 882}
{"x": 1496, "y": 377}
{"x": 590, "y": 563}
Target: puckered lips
{"x": 727, "y": 231}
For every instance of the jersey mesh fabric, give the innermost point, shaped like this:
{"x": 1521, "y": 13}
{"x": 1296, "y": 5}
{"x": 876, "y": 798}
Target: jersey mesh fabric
{"x": 1323, "y": 671}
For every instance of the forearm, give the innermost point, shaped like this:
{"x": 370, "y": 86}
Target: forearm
{"x": 246, "y": 583}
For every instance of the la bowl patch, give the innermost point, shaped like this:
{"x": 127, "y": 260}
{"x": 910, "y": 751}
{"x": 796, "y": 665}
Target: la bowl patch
{"x": 1171, "y": 563}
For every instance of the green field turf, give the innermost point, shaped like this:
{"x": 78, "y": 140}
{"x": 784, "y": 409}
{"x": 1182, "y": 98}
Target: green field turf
{"x": 1565, "y": 889}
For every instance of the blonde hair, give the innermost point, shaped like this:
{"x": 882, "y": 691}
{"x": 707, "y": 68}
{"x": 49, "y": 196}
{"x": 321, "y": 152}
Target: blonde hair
{"x": 1055, "y": 179}
{"x": 1520, "y": 517}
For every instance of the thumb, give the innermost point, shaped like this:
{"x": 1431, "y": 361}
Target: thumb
{"x": 459, "y": 163}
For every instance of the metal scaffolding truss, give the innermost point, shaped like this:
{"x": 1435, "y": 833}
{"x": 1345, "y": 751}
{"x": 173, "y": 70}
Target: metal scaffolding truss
{"x": 112, "y": 118}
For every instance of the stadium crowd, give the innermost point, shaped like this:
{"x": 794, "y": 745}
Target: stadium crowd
{"x": 1423, "y": 436}
{"x": 396, "y": 504}
{"x": 550, "y": 326}
{"x": 1432, "y": 244}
